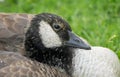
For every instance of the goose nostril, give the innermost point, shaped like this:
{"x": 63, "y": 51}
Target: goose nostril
{"x": 77, "y": 40}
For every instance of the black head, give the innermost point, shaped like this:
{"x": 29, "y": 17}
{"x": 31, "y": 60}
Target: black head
{"x": 52, "y": 31}
{"x": 49, "y": 39}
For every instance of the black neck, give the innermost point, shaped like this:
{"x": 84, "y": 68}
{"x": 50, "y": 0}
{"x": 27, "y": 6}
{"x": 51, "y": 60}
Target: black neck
{"x": 59, "y": 57}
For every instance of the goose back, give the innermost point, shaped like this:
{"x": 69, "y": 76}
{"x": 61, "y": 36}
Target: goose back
{"x": 12, "y": 31}
{"x": 14, "y": 65}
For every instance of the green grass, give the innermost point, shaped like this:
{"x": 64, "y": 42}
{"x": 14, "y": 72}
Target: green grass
{"x": 98, "y": 21}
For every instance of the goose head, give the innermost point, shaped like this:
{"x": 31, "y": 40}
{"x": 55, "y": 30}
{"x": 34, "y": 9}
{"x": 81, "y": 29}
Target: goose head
{"x": 52, "y": 31}
{"x": 49, "y": 39}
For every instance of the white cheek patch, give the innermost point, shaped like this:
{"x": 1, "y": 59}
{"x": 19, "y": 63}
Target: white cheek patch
{"x": 48, "y": 36}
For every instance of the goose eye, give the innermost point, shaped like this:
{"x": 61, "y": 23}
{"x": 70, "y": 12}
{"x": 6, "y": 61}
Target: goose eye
{"x": 57, "y": 27}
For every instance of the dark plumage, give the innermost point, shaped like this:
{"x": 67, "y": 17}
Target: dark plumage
{"x": 36, "y": 50}
{"x": 12, "y": 31}
{"x": 14, "y": 65}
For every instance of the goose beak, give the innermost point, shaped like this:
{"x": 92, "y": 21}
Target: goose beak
{"x": 75, "y": 41}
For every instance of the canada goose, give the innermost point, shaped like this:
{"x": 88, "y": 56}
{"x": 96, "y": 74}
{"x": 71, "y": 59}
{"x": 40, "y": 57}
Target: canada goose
{"x": 15, "y": 65}
{"x": 90, "y": 63}
{"x": 59, "y": 36}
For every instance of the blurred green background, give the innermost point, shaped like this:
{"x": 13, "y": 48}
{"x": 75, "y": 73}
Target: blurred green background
{"x": 98, "y": 21}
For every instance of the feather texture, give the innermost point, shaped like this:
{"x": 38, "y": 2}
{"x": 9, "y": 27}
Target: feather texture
{"x": 14, "y": 65}
{"x": 12, "y": 31}
{"x": 97, "y": 62}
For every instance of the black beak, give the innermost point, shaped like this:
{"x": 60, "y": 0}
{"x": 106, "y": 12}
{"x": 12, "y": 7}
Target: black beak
{"x": 75, "y": 41}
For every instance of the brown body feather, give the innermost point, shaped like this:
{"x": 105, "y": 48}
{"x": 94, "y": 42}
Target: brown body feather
{"x": 12, "y": 30}
{"x": 14, "y": 65}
